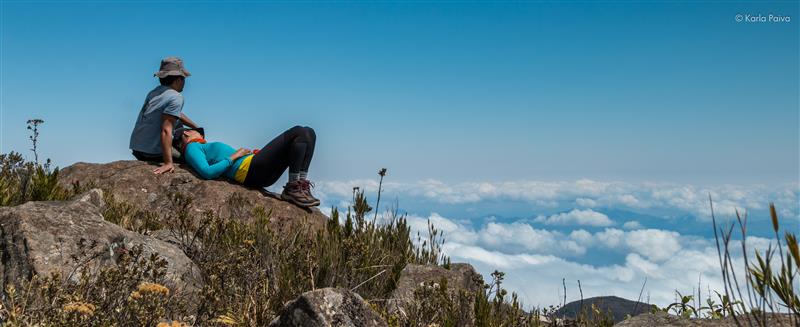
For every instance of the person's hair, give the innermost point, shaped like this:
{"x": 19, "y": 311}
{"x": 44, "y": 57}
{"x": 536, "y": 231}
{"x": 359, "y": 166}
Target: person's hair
{"x": 176, "y": 142}
{"x": 166, "y": 81}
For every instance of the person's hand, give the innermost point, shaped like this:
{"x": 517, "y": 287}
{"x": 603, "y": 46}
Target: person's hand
{"x": 165, "y": 168}
{"x": 239, "y": 153}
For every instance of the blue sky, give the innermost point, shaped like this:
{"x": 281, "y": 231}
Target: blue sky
{"x": 453, "y": 91}
{"x": 490, "y": 116}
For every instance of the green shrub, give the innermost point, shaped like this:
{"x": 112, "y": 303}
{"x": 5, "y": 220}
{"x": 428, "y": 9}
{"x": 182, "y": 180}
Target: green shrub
{"x": 22, "y": 181}
{"x": 768, "y": 285}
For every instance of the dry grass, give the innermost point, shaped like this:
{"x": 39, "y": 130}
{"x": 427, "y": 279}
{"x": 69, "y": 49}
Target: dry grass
{"x": 248, "y": 271}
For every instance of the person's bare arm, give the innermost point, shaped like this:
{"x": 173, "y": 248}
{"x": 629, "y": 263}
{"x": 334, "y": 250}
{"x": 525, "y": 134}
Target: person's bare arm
{"x": 187, "y": 121}
{"x": 167, "y": 122}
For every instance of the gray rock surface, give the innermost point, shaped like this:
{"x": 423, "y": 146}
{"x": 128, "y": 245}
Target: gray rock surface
{"x": 667, "y": 320}
{"x": 38, "y": 238}
{"x": 328, "y": 307}
{"x": 461, "y": 277}
{"x": 135, "y": 183}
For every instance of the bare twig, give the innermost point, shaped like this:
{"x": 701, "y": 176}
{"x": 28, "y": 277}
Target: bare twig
{"x": 369, "y": 279}
{"x": 580, "y": 289}
{"x": 33, "y": 125}
{"x": 639, "y": 299}
{"x": 381, "y": 172}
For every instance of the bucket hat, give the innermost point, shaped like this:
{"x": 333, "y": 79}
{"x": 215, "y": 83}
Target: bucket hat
{"x": 172, "y": 66}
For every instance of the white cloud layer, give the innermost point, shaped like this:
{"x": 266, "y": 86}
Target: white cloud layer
{"x": 586, "y": 217}
{"x": 633, "y": 224}
{"x": 588, "y": 194}
{"x": 536, "y": 258}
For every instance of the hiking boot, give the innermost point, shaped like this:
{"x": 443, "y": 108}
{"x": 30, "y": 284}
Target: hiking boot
{"x": 307, "y": 185}
{"x": 295, "y": 193}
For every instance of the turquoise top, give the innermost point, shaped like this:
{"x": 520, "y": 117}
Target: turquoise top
{"x": 210, "y": 160}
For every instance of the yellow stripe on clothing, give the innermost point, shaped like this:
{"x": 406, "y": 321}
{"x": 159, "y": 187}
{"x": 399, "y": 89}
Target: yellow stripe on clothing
{"x": 241, "y": 173}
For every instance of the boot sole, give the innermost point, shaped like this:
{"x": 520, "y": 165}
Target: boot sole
{"x": 295, "y": 201}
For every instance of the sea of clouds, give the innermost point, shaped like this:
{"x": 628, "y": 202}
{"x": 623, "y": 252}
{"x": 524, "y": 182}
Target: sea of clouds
{"x": 617, "y": 238}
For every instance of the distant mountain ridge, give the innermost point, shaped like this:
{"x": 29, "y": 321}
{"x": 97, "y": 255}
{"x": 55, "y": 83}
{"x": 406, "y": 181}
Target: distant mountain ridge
{"x": 618, "y": 306}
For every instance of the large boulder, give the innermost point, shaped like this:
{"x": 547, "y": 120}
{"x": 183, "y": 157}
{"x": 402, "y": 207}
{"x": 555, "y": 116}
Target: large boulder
{"x": 39, "y": 238}
{"x": 462, "y": 283}
{"x": 328, "y": 307}
{"x": 135, "y": 183}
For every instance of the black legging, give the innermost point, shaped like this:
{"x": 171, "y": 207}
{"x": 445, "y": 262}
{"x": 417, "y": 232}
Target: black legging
{"x": 292, "y": 149}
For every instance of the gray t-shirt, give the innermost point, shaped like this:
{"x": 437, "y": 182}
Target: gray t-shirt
{"x": 146, "y": 136}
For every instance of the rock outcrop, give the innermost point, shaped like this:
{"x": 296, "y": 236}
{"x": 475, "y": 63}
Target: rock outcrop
{"x": 135, "y": 183}
{"x": 38, "y": 238}
{"x": 664, "y": 319}
{"x": 328, "y": 307}
{"x": 461, "y": 277}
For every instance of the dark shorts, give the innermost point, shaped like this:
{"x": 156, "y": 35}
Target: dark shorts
{"x": 142, "y": 156}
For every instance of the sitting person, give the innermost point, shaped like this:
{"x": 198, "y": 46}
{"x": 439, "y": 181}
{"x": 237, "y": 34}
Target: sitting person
{"x": 161, "y": 113}
{"x": 292, "y": 149}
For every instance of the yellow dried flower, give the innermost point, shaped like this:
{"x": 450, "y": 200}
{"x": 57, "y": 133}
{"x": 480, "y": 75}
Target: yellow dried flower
{"x": 249, "y": 242}
{"x": 152, "y": 288}
{"x": 225, "y": 320}
{"x": 83, "y": 308}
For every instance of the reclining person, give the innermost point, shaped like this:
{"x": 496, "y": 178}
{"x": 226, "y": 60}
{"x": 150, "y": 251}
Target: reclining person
{"x": 292, "y": 149}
